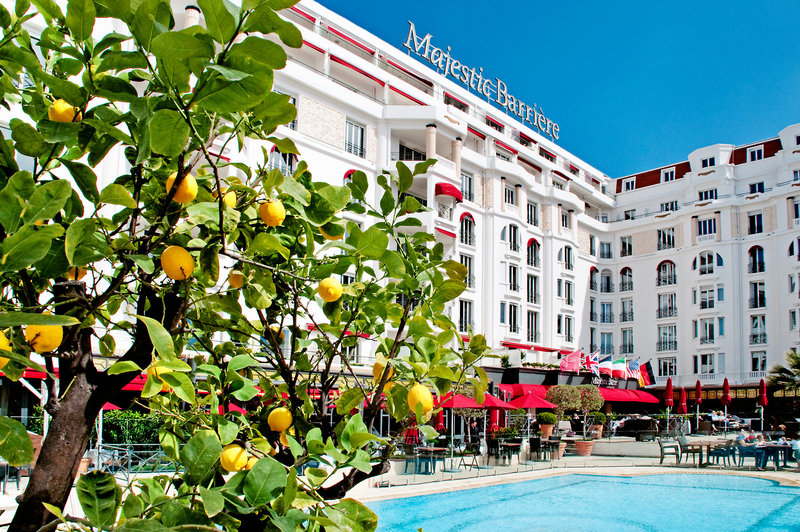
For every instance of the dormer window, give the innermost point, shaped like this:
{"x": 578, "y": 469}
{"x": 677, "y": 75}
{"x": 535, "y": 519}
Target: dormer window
{"x": 668, "y": 175}
{"x": 755, "y": 153}
{"x": 629, "y": 184}
{"x": 708, "y": 163}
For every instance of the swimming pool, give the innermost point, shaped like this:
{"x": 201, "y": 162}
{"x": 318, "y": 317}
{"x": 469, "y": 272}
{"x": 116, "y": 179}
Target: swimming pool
{"x": 593, "y": 502}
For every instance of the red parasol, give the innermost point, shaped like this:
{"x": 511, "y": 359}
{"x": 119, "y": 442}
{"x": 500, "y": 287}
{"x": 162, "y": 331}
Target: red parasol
{"x": 111, "y": 406}
{"x": 726, "y": 393}
{"x": 698, "y": 392}
{"x": 668, "y": 392}
{"x": 682, "y": 405}
{"x": 440, "y": 421}
{"x": 411, "y": 436}
{"x": 530, "y": 401}
{"x": 762, "y": 393}
{"x": 494, "y": 417}
{"x": 493, "y": 403}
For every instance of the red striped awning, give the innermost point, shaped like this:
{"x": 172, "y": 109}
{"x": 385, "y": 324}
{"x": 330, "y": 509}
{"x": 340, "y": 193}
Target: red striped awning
{"x": 447, "y": 189}
{"x": 534, "y": 166}
{"x": 447, "y": 233}
{"x": 360, "y": 71}
{"x": 476, "y": 133}
{"x": 516, "y": 345}
{"x": 506, "y": 147}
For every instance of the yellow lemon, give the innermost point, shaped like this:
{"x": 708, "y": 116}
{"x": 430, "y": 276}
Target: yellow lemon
{"x": 251, "y": 462}
{"x": 280, "y": 419}
{"x": 229, "y": 197}
{"x": 40, "y": 222}
{"x": 377, "y": 373}
{"x": 284, "y": 440}
{"x": 233, "y": 458}
{"x": 419, "y": 394}
{"x": 236, "y": 279}
{"x": 156, "y": 372}
{"x": 187, "y": 190}
{"x": 76, "y": 274}
{"x": 5, "y": 345}
{"x": 62, "y": 111}
{"x": 177, "y": 263}
{"x": 278, "y": 332}
{"x": 330, "y": 289}
{"x": 44, "y": 338}
{"x": 272, "y": 213}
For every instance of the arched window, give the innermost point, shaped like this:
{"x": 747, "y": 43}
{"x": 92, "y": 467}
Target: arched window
{"x": 706, "y": 260}
{"x": 625, "y": 280}
{"x": 282, "y": 161}
{"x": 666, "y": 273}
{"x": 467, "y": 229}
{"x": 593, "y": 278}
{"x": 533, "y": 251}
{"x": 755, "y": 259}
{"x": 568, "y": 262}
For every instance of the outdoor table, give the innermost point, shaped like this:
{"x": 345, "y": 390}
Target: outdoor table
{"x": 429, "y": 456}
{"x": 550, "y": 447}
{"x": 507, "y": 448}
{"x": 774, "y": 451}
{"x": 701, "y": 444}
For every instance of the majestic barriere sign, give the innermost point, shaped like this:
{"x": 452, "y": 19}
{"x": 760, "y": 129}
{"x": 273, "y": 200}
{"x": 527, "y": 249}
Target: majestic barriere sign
{"x": 494, "y": 90}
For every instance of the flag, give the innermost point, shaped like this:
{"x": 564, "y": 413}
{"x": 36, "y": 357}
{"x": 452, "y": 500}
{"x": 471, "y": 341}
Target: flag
{"x": 571, "y": 362}
{"x": 605, "y": 365}
{"x": 633, "y": 371}
{"x": 647, "y": 374}
{"x": 590, "y": 363}
{"x": 619, "y": 368}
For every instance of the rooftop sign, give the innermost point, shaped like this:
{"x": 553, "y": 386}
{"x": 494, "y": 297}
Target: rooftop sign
{"x": 494, "y": 90}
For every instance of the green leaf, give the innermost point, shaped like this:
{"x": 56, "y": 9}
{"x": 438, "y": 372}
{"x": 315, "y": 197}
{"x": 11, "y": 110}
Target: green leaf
{"x": 296, "y": 190}
{"x": 85, "y": 178}
{"x": 144, "y": 262}
{"x": 350, "y": 399}
{"x": 100, "y": 498}
{"x": 267, "y": 243}
{"x": 181, "y": 385}
{"x": 48, "y": 9}
{"x": 117, "y": 195}
{"x": 78, "y": 233}
{"x": 55, "y": 132}
{"x": 27, "y": 246}
{"x": 161, "y": 339}
{"x": 80, "y": 18}
{"x": 15, "y": 444}
{"x": 180, "y": 45}
{"x": 199, "y": 456}
{"x": 220, "y": 23}
{"x": 265, "y": 52}
{"x": 316, "y": 475}
{"x": 265, "y": 20}
{"x": 264, "y": 482}
{"x": 449, "y": 290}
{"x": 116, "y": 60}
{"x": 133, "y": 506}
{"x": 405, "y": 178}
{"x": 15, "y": 319}
{"x": 168, "y": 132}
{"x": 47, "y": 201}
{"x": 213, "y": 501}
{"x": 115, "y": 89}
{"x": 13, "y": 197}
{"x": 372, "y": 243}
{"x": 123, "y": 366}
{"x": 28, "y": 141}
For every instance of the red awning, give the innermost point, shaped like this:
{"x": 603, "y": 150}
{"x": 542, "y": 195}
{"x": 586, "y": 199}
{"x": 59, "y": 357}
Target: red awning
{"x": 561, "y": 175}
{"x": 505, "y": 147}
{"x": 446, "y": 189}
{"x": 627, "y": 396}
{"x": 539, "y": 390}
{"x": 446, "y": 232}
{"x": 534, "y": 166}
{"x": 476, "y": 133}
{"x": 515, "y": 345}
{"x": 466, "y": 215}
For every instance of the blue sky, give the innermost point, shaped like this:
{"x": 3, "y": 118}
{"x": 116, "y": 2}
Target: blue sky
{"x": 633, "y": 86}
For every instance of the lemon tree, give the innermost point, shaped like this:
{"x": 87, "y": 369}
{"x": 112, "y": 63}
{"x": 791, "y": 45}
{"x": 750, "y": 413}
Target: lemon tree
{"x": 229, "y": 298}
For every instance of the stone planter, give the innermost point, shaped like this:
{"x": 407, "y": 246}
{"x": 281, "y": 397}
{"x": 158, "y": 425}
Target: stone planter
{"x": 547, "y": 431}
{"x": 561, "y": 448}
{"x": 584, "y": 447}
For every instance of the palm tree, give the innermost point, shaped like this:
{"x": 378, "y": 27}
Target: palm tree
{"x": 787, "y": 377}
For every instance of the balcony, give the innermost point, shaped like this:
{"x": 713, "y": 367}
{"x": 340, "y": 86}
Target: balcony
{"x": 593, "y": 285}
{"x": 606, "y": 349}
{"x": 533, "y": 261}
{"x": 667, "y": 345}
{"x": 465, "y": 325}
{"x": 570, "y": 301}
{"x": 758, "y": 338}
{"x": 607, "y": 287}
{"x": 607, "y": 318}
{"x": 626, "y": 286}
{"x": 626, "y": 316}
{"x": 758, "y": 302}
{"x": 514, "y": 287}
{"x": 665, "y": 280}
{"x": 606, "y": 254}
{"x": 593, "y": 316}
{"x": 534, "y": 297}
{"x": 705, "y": 340}
{"x": 755, "y": 375}
{"x": 706, "y": 304}
{"x": 469, "y": 280}
{"x": 444, "y": 211}
{"x": 513, "y": 328}
{"x": 666, "y": 245}
{"x": 468, "y": 195}
{"x": 593, "y": 348}
{"x": 626, "y": 349}
{"x": 356, "y": 148}
{"x": 667, "y": 312}
{"x": 467, "y": 238}
{"x": 533, "y": 336}
{"x": 755, "y": 267}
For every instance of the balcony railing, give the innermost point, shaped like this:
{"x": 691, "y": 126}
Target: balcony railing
{"x": 758, "y": 302}
{"x": 607, "y": 287}
{"x": 593, "y": 348}
{"x": 706, "y": 339}
{"x": 593, "y": 316}
{"x": 593, "y": 285}
{"x": 533, "y": 336}
{"x": 514, "y": 287}
{"x": 667, "y": 345}
{"x": 468, "y": 195}
{"x": 755, "y": 267}
{"x": 606, "y": 254}
{"x": 570, "y": 338}
{"x": 570, "y": 301}
{"x": 533, "y": 260}
{"x": 626, "y": 349}
{"x": 626, "y": 286}
{"x": 667, "y": 312}
{"x": 706, "y": 304}
{"x": 356, "y": 149}
{"x": 606, "y": 349}
{"x": 606, "y": 318}
{"x": 467, "y": 238}
{"x": 444, "y": 211}
{"x": 513, "y": 328}
{"x": 666, "y": 245}
{"x": 465, "y": 325}
{"x": 470, "y": 281}
{"x": 758, "y": 338}
{"x": 664, "y": 280}
{"x": 533, "y": 297}
{"x": 626, "y": 316}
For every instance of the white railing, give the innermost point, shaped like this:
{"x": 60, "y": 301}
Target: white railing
{"x": 444, "y": 165}
{"x": 797, "y": 222}
{"x": 757, "y": 375}
{"x": 444, "y": 211}
{"x": 706, "y": 238}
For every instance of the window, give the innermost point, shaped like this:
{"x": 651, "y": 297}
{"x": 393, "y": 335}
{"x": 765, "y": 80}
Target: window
{"x": 565, "y": 219}
{"x": 533, "y": 214}
{"x": 606, "y": 284}
{"x": 796, "y": 175}
{"x": 796, "y": 210}
{"x": 667, "y": 338}
{"x": 666, "y": 274}
{"x": 667, "y": 175}
{"x": 797, "y": 140}
{"x": 627, "y": 341}
{"x": 568, "y": 293}
{"x": 720, "y": 326}
{"x": 667, "y": 367}
{"x": 791, "y": 284}
{"x": 592, "y": 246}
{"x": 666, "y": 238}
{"x": 708, "y": 163}
{"x": 547, "y": 155}
{"x": 503, "y": 155}
{"x": 513, "y": 237}
{"x": 758, "y": 329}
{"x": 466, "y": 260}
{"x": 625, "y": 280}
{"x": 494, "y": 124}
{"x": 606, "y": 312}
{"x": 758, "y": 296}
{"x": 705, "y": 195}
{"x": 559, "y": 285}
{"x": 606, "y": 343}
{"x": 629, "y": 184}
{"x": 410, "y": 154}
{"x": 669, "y": 206}
{"x": 630, "y": 214}
{"x": 754, "y": 223}
{"x": 532, "y": 253}
{"x": 464, "y": 315}
{"x": 458, "y": 104}
{"x": 625, "y": 246}
{"x": 605, "y": 250}
{"x": 502, "y": 312}
{"x": 755, "y": 154}
{"x": 354, "y": 139}
{"x": 792, "y": 320}
{"x": 513, "y": 278}
{"x": 281, "y": 161}
{"x": 707, "y": 226}
{"x": 706, "y": 298}
{"x": 532, "y": 287}
{"x": 559, "y": 326}
{"x": 513, "y": 322}
{"x": 593, "y": 278}
{"x": 466, "y": 186}
{"x": 533, "y": 326}
{"x": 759, "y": 360}
{"x": 755, "y": 258}
{"x": 705, "y": 364}
{"x": 720, "y": 293}
{"x": 706, "y": 263}
{"x": 510, "y": 196}
{"x": 568, "y": 260}
{"x": 757, "y": 188}
{"x": 707, "y": 331}
{"x": 467, "y": 230}
{"x": 568, "y": 328}
{"x": 627, "y": 310}
{"x": 667, "y": 307}
{"x": 293, "y": 123}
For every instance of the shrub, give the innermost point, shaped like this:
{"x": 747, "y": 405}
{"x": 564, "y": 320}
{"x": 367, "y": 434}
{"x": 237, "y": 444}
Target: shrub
{"x": 546, "y": 418}
{"x": 599, "y": 417}
{"x": 565, "y": 398}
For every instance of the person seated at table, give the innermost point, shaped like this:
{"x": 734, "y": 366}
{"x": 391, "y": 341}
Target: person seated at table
{"x": 795, "y": 443}
{"x": 751, "y": 437}
{"x": 761, "y": 452}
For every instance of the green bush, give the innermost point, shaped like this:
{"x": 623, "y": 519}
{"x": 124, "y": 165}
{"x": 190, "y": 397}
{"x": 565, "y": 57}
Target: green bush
{"x": 129, "y": 426}
{"x": 599, "y": 418}
{"x": 546, "y": 418}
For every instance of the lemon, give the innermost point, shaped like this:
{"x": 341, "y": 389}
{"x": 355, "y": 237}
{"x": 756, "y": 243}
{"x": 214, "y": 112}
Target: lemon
{"x": 233, "y": 458}
{"x": 419, "y": 394}
{"x": 251, "y": 462}
{"x": 236, "y": 279}
{"x": 284, "y": 440}
{"x": 5, "y": 345}
{"x": 278, "y": 333}
{"x": 187, "y": 190}
{"x": 76, "y": 273}
{"x": 330, "y": 289}
{"x": 156, "y": 372}
{"x": 44, "y": 338}
{"x": 62, "y": 111}
{"x": 229, "y": 197}
{"x": 272, "y": 213}
{"x": 177, "y": 263}
{"x": 279, "y": 419}
{"x": 330, "y": 236}
{"x": 377, "y": 373}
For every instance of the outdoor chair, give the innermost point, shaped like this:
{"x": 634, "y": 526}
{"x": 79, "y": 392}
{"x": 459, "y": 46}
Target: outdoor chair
{"x": 725, "y": 452}
{"x": 469, "y": 458}
{"x": 745, "y": 451}
{"x": 684, "y": 442}
{"x": 535, "y": 447}
{"x": 669, "y": 448}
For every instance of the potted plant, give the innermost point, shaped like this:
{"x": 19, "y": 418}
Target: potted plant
{"x": 589, "y": 400}
{"x": 547, "y": 421}
{"x": 597, "y": 420}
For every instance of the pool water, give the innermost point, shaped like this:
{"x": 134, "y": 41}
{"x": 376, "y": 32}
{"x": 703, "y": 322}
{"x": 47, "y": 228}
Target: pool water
{"x": 592, "y": 502}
